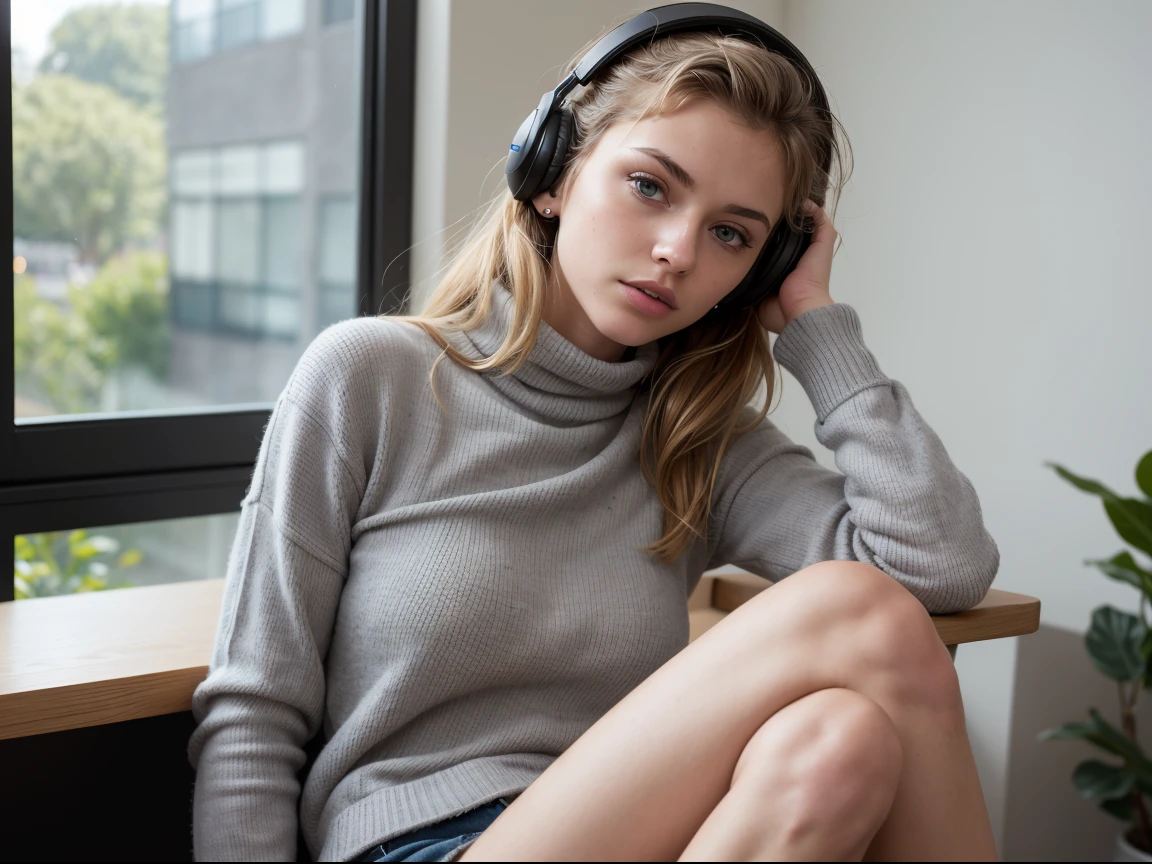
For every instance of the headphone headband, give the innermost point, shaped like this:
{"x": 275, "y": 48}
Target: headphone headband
{"x": 676, "y": 18}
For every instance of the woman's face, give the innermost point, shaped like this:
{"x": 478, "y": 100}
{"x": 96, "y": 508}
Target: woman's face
{"x": 679, "y": 201}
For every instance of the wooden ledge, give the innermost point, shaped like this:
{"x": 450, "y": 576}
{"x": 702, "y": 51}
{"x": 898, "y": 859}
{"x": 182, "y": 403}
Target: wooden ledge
{"x": 108, "y": 656}
{"x": 103, "y": 657}
{"x": 998, "y": 615}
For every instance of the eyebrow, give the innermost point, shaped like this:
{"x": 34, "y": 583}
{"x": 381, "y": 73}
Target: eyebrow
{"x": 685, "y": 179}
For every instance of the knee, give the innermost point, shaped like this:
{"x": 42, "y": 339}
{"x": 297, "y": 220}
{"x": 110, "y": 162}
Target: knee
{"x": 831, "y": 765}
{"x": 879, "y": 626}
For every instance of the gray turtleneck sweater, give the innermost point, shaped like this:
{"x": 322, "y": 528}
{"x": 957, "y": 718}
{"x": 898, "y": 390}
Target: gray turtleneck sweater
{"x": 455, "y": 599}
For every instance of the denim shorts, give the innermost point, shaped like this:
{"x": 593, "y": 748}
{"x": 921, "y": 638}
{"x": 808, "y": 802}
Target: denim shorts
{"x": 440, "y": 841}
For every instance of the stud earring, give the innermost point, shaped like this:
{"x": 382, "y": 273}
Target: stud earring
{"x": 547, "y": 211}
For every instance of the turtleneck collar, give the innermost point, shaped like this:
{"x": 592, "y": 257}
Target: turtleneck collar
{"x": 558, "y": 381}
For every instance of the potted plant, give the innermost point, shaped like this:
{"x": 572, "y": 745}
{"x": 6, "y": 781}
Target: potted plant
{"x": 1120, "y": 644}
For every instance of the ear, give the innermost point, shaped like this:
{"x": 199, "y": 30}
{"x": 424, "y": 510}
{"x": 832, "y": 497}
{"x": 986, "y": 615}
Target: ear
{"x": 547, "y": 201}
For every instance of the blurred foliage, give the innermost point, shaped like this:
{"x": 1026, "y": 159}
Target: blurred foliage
{"x": 89, "y": 566}
{"x": 124, "y": 46}
{"x": 126, "y": 305}
{"x": 120, "y": 318}
{"x": 1119, "y": 643}
{"x": 88, "y": 166}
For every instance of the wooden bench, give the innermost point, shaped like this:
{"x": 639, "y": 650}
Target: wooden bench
{"x": 88, "y": 659}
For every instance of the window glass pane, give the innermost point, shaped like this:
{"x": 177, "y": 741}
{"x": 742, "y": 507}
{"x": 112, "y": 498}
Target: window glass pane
{"x": 337, "y": 261}
{"x": 283, "y": 17}
{"x": 336, "y": 11}
{"x": 239, "y": 23}
{"x": 216, "y": 242}
{"x": 281, "y": 315}
{"x": 283, "y": 167}
{"x": 54, "y": 563}
{"x": 193, "y": 304}
{"x": 282, "y": 244}
{"x": 239, "y": 169}
{"x": 338, "y": 241}
{"x": 335, "y": 304}
{"x": 238, "y": 241}
{"x": 192, "y": 172}
{"x": 241, "y": 309}
{"x": 194, "y": 39}
{"x": 187, "y": 10}
{"x": 191, "y": 248}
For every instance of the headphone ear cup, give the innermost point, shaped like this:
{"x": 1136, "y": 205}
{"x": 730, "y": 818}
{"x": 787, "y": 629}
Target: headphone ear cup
{"x": 779, "y": 257}
{"x": 557, "y": 135}
{"x": 785, "y": 261}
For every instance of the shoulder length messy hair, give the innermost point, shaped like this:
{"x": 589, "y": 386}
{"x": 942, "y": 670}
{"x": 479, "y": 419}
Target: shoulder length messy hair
{"x": 693, "y": 413}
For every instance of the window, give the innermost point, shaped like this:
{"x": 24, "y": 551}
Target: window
{"x": 337, "y": 275}
{"x": 52, "y": 563}
{"x": 239, "y": 23}
{"x": 336, "y": 11}
{"x": 204, "y": 27}
{"x": 194, "y": 28}
{"x": 282, "y": 18}
{"x": 150, "y": 338}
{"x": 237, "y": 239}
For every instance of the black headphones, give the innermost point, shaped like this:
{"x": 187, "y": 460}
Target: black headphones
{"x": 540, "y": 147}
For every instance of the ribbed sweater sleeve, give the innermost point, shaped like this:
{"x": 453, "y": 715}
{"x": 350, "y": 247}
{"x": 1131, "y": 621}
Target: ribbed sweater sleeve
{"x": 264, "y": 694}
{"x": 897, "y": 502}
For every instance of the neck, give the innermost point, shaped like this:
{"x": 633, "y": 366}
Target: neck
{"x": 568, "y": 318}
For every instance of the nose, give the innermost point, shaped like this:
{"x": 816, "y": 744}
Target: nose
{"x": 675, "y": 246}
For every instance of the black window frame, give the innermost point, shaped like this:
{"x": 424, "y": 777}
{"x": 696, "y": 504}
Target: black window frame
{"x": 103, "y": 469}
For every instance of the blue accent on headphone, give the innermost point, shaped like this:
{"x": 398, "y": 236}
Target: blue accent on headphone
{"x": 516, "y": 147}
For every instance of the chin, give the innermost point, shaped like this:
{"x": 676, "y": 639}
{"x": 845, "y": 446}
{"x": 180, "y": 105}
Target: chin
{"x": 629, "y": 333}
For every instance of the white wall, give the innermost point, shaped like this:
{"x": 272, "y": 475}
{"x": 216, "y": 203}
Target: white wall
{"x": 990, "y": 246}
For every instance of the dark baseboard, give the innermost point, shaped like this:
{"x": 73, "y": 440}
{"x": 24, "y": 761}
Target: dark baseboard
{"x": 118, "y": 792}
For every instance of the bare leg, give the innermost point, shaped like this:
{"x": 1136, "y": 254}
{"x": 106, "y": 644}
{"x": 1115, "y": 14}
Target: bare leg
{"x": 813, "y": 784}
{"x": 641, "y": 782}
{"x": 939, "y": 812}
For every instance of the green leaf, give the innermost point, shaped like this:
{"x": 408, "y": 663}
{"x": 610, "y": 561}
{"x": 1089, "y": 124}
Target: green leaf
{"x": 1114, "y": 642}
{"x": 1123, "y": 568}
{"x": 1073, "y": 732}
{"x": 1121, "y": 808}
{"x": 1144, "y": 474}
{"x": 1131, "y": 517}
{"x": 1124, "y": 746}
{"x": 1084, "y": 484}
{"x": 1104, "y": 735}
{"x": 1095, "y": 779}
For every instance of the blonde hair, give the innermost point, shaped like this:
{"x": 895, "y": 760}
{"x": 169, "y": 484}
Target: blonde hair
{"x": 693, "y": 414}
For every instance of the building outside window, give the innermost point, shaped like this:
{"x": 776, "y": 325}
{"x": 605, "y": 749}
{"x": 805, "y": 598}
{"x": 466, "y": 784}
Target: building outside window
{"x": 336, "y": 11}
{"x": 204, "y": 27}
{"x": 237, "y": 239}
{"x": 227, "y": 133}
{"x": 337, "y": 265}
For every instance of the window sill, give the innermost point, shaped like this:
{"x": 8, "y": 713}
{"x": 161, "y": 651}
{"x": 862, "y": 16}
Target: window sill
{"x": 103, "y": 657}
{"x": 108, "y": 656}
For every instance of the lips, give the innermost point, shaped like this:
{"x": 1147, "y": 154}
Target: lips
{"x": 665, "y": 294}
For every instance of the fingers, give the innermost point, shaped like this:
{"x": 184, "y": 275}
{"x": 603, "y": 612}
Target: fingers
{"x": 823, "y": 229}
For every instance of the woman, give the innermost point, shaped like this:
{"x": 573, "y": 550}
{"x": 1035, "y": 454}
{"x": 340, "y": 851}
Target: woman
{"x": 475, "y": 592}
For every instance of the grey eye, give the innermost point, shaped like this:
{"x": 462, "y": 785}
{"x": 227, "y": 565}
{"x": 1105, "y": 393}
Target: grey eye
{"x": 732, "y": 235}
{"x": 642, "y": 184}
